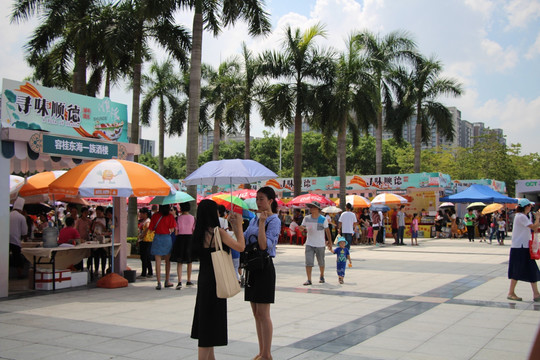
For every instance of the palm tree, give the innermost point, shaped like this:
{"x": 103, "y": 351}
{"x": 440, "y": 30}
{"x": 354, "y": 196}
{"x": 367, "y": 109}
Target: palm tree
{"x": 383, "y": 54}
{"x": 144, "y": 20}
{"x": 246, "y": 95}
{"x": 345, "y": 103}
{"x": 162, "y": 85}
{"x": 66, "y": 34}
{"x": 418, "y": 88}
{"x": 300, "y": 63}
{"x": 222, "y": 89}
{"x": 214, "y": 15}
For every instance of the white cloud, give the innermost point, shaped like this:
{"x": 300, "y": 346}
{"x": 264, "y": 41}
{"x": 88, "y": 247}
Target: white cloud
{"x": 501, "y": 59}
{"x": 521, "y": 12}
{"x": 534, "y": 50}
{"x": 515, "y": 115}
{"x": 485, "y": 7}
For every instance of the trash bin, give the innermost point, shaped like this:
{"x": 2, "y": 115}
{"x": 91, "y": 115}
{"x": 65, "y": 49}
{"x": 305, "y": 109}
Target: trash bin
{"x": 130, "y": 275}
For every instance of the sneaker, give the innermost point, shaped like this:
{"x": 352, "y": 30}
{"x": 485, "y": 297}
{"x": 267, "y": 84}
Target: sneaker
{"x": 321, "y": 280}
{"x": 149, "y": 276}
{"x": 168, "y": 285}
{"x": 141, "y": 277}
{"x": 307, "y": 283}
{"x": 179, "y": 286}
{"x": 158, "y": 287}
{"x": 189, "y": 283}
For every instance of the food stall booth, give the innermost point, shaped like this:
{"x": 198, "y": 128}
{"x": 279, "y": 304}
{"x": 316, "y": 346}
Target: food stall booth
{"x": 45, "y": 129}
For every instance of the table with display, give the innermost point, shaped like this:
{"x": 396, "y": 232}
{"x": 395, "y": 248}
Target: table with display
{"x": 62, "y": 257}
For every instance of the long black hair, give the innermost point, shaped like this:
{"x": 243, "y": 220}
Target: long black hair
{"x": 207, "y": 216}
{"x": 271, "y": 195}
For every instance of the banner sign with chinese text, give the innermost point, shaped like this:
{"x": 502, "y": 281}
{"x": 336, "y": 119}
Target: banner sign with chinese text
{"x": 76, "y": 147}
{"x": 29, "y": 106}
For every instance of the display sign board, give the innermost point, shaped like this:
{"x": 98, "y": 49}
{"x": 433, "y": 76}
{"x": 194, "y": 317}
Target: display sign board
{"x": 26, "y": 105}
{"x": 76, "y": 147}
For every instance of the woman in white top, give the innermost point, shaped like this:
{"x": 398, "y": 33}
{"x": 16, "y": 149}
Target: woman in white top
{"x": 521, "y": 266}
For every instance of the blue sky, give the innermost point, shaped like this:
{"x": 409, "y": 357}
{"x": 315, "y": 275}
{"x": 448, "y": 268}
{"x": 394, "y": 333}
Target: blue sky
{"x": 491, "y": 46}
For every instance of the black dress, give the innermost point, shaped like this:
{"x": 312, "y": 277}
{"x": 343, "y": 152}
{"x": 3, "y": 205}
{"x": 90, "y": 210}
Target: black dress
{"x": 210, "y": 317}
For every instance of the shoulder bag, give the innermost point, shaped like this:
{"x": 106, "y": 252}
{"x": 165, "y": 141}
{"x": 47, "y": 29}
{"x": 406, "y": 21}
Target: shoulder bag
{"x": 149, "y": 237}
{"x": 253, "y": 258}
{"x": 534, "y": 246}
{"x": 226, "y": 282}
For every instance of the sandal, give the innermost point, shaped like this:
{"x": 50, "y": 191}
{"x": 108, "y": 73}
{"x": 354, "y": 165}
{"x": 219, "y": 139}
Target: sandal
{"x": 514, "y": 297}
{"x": 321, "y": 280}
{"x": 167, "y": 285}
{"x": 307, "y": 283}
{"x": 158, "y": 287}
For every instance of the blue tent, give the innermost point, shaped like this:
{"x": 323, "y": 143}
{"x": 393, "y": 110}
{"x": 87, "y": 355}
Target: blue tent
{"x": 481, "y": 193}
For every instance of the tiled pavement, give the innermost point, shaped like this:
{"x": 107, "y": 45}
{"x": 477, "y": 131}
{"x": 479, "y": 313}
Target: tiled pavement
{"x": 445, "y": 299}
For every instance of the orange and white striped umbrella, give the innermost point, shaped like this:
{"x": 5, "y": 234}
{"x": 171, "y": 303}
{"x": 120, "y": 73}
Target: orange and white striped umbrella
{"x": 39, "y": 184}
{"x": 104, "y": 178}
{"x": 356, "y": 201}
{"x": 389, "y": 199}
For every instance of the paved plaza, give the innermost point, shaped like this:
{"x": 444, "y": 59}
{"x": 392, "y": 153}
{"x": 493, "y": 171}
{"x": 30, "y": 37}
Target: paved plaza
{"x": 444, "y": 299}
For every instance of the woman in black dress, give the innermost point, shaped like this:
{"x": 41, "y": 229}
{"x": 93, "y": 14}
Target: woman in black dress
{"x": 210, "y": 316}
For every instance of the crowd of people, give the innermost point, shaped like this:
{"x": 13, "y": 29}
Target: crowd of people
{"x": 76, "y": 224}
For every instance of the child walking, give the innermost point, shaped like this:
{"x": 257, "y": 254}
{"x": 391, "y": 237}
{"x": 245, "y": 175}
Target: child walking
{"x": 370, "y": 234}
{"x": 414, "y": 230}
{"x": 501, "y": 229}
{"x": 343, "y": 255}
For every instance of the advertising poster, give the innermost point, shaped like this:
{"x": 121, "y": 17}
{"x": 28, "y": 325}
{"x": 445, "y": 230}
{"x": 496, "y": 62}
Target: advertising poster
{"x": 26, "y": 105}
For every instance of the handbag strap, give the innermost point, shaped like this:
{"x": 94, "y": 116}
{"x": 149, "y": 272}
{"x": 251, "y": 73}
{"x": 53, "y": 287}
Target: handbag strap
{"x": 155, "y": 227}
{"x": 217, "y": 239}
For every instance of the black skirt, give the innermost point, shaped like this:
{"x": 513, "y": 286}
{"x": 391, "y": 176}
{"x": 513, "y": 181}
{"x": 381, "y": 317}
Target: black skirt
{"x": 521, "y": 267}
{"x": 182, "y": 249}
{"x": 261, "y": 285}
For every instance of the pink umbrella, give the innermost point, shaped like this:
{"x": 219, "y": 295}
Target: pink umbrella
{"x": 305, "y": 199}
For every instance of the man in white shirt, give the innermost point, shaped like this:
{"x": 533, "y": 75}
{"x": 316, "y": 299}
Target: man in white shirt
{"x": 317, "y": 228}
{"x": 347, "y": 222}
{"x": 18, "y": 231}
{"x": 401, "y": 225}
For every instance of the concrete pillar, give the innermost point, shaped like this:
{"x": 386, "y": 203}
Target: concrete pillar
{"x": 4, "y": 225}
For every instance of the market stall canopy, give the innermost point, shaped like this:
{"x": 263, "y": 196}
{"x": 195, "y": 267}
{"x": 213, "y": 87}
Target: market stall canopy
{"x": 477, "y": 192}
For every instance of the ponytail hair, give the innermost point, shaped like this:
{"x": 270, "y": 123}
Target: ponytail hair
{"x": 271, "y": 195}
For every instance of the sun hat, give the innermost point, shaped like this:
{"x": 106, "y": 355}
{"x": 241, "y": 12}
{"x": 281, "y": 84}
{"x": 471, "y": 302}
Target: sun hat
{"x": 19, "y": 204}
{"x": 315, "y": 204}
{"x": 524, "y": 202}
{"x": 340, "y": 239}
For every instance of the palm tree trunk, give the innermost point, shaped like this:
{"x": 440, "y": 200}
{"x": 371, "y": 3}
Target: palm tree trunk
{"x": 192, "y": 148}
{"x": 217, "y": 136}
{"x": 132, "y": 204}
{"x": 342, "y": 158}
{"x": 215, "y": 144}
{"x": 161, "y": 136}
{"x": 79, "y": 74}
{"x": 417, "y": 139}
{"x": 297, "y": 177}
{"x": 107, "y": 83}
{"x": 247, "y": 138}
{"x": 378, "y": 144}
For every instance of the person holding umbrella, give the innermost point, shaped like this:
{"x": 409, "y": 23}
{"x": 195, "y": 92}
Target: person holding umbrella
{"x": 261, "y": 285}
{"x": 210, "y": 316}
{"x": 469, "y": 220}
